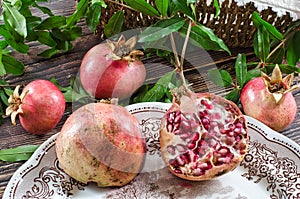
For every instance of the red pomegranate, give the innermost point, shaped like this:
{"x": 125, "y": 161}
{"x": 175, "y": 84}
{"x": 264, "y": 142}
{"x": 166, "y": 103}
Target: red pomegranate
{"x": 202, "y": 136}
{"x": 112, "y": 69}
{"x": 101, "y": 143}
{"x": 40, "y": 106}
{"x": 270, "y": 100}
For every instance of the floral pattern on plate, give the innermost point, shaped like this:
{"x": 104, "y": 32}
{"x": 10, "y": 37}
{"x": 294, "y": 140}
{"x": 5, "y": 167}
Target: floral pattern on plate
{"x": 271, "y": 168}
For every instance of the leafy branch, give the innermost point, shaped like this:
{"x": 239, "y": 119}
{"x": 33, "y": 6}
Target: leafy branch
{"x": 271, "y": 47}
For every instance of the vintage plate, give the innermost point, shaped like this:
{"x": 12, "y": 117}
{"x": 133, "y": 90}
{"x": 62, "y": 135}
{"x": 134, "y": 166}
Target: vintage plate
{"x": 270, "y": 170}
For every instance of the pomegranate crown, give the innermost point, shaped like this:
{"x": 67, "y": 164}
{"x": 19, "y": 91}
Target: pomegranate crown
{"x": 124, "y": 50}
{"x": 15, "y": 104}
{"x": 277, "y": 85}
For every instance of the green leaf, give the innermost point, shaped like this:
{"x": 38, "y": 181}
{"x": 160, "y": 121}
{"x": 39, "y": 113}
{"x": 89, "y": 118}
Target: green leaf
{"x": 256, "y": 72}
{"x": 157, "y": 92}
{"x": 258, "y": 22}
{"x": 261, "y": 43}
{"x": 284, "y": 68}
{"x": 233, "y": 95}
{"x": 31, "y": 22}
{"x": 44, "y": 37}
{"x": 93, "y": 15}
{"x": 277, "y": 56}
{"x": 51, "y": 22}
{"x": 67, "y": 35}
{"x": 61, "y": 88}
{"x": 114, "y": 25}
{"x": 20, "y": 47}
{"x": 143, "y": 7}
{"x": 220, "y": 77}
{"x": 3, "y": 44}
{"x": 16, "y": 20}
{"x": 161, "y": 29}
{"x": 216, "y": 5}
{"x": 293, "y": 49}
{"x": 45, "y": 10}
{"x": 18, "y": 153}
{"x": 80, "y": 12}
{"x": 183, "y": 7}
{"x": 241, "y": 69}
{"x": 49, "y": 52}
{"x": 4, "y": 97}
{"x": 12, "y": 65}
{"x": 2, "y": 68}
{"x": 162, "y": 6}
{"x": 205, "y": 38}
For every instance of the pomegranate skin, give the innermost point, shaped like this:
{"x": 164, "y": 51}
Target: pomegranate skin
{"x": 42, "y": 106}
{"x": 101, "y": 143}
{"x": 195, "y": 152}
{"x": 258, "y": 102}
{"x": 104, "y": 77}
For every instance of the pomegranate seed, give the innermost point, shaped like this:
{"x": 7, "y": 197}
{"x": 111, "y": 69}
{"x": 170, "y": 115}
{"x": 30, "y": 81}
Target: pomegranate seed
{"x": 193, "y": 157}
{"x": 191, "y": 145}
{"x": 185, "y": 125}
{"x": 185, "y": 158}
{"x": 169, "y": 128}
{"x": 177, "y": 132}
{"x": 180, "y": 161}
{"x": 178, "y": 171}
{"x": 177, "y": 119}
{"x": 173, "y": 163}
{"x": 223, "y": 131}
{"x": 171, "y": 117}
{"x": 237, "y": 131}
{"x": 231, "y": 126}
{"x": 195, "y": 136}
{"x": 239, "y": 125}
{"x": 203, "y": 102}
{"x": 184, "y": 136}
{"x": 223, "y": 151}
{"x": 230, "y": 133}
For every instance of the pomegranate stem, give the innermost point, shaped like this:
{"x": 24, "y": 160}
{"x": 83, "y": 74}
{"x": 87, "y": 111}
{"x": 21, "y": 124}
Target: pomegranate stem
{"x": 179, "y": 63}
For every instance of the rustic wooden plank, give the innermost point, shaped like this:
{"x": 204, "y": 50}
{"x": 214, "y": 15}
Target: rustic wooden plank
{"x": 62, "y": 66}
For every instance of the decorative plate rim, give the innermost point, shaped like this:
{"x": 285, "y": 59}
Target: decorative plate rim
{"x": 34, "y": 161}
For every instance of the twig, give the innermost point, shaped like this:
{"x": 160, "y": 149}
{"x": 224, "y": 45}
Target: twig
{"x": 276, "y": 48}
{"x": 128, "y": 7}
{"x": 177, "y": 62}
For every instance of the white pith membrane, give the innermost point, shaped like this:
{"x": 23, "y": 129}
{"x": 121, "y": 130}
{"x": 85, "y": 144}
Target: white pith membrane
{"x": 215, "y": 131}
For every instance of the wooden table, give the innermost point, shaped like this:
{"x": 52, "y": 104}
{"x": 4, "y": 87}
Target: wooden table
{"x": 64, "y": 65}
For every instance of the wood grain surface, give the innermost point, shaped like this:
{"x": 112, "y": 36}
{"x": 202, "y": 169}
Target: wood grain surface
{"x": 64, "y": 65}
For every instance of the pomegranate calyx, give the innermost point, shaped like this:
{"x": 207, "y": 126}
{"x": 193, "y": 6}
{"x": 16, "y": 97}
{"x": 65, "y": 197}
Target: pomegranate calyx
{"x": 15, "y": 100}
{"x": 124, "y": 50}
{"x": 277, "y": 85}
{"x": 113, "y": 101}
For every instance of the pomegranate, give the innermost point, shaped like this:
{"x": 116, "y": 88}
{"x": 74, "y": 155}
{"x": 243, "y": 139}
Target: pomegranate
{"x": 202, "y": 136}
{"x": 269, "y": 99}
{"x": 101, "y": 143}
{"x": 112, "y": 69}
{"x": 40, "y": 106}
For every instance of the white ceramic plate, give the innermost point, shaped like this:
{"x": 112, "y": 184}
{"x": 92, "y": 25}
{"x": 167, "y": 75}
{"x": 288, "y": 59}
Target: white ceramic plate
{"x": 270, "y": 170}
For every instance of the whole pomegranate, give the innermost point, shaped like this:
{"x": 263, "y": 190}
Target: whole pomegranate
{"x": 40, "y": 106}
{"x": 202, "y": 136}
{"x": 269, "y": 100}
{"x": 112, "y": 69}
{"x": 101, "y": 143}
